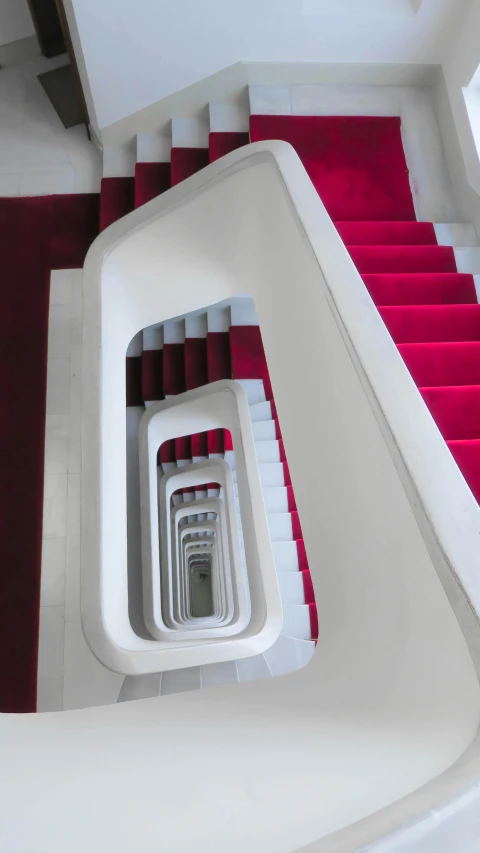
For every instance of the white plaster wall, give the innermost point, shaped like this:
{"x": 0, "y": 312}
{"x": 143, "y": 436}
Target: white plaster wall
{"x": 138, "y": 53}
{"x": 15, "y": 21}
{"x": 460, "y": 63}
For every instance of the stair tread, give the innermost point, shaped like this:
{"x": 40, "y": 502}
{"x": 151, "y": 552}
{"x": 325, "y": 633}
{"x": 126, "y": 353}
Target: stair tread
{"x": 420, "y": 288}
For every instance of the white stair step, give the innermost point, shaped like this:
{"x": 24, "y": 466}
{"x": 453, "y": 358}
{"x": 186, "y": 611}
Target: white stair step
{"x": 264, "y": 430}
{"x": 261, "y": 412}
{"x": 280, "y": 526}
{"x": 243, "y": 312}
{"x": 296, "y": 621}
{"x": 196, "y": 325}
{"x": 286, "y": 556}
{"x": 174, "y": 332}
{"x": 180, "y": 680}
{"x": 153, "y": 147}
{"x": 276, "y": 498}
{"x": 254, "y": 390}
{"x": 267, "y": 451}
{"x": 140, "y": 687}
{"x": 217, "y": 674}
{"x": 119, "y": 161}
{"x": 291, "y": 587}
{"x": 455, "y": 234}
{"x": 153, "y": 337}
{"x": 288, "y": 655}
{"x": 468, "y": 260}
{"x": 135, "y": 346}
{"x": 253, "y": 669}
{"x": 270, "y": 100}
{"x": 189, "y": 133}
{"x": 271, "y": 474}
{"x": 219, "y": 318}
{"x": 231, "y": 118}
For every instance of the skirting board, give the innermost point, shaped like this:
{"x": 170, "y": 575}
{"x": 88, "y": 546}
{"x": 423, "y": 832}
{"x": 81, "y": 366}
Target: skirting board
{"x": 231, "y": 84}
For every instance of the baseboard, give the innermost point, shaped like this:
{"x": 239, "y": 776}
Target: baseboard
{"x": 231, "y": 84}
{"x": 16, "y": 51}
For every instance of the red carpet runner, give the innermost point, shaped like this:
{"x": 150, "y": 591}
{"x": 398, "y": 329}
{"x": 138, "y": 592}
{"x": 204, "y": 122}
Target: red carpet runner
{"x": 38, "y": 234}
{"x": 358, "y": 167}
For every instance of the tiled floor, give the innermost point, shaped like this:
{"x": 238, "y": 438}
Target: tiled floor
{"x": 37, "y": 155}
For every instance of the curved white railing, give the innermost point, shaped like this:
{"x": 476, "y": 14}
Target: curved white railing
{"x": 380, "y": 729}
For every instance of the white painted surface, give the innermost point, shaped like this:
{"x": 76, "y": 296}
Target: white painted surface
{"x": 15, "y": 21}
{"x": 190, "y": 133}
{"x": 38, "y": 156}
{"x": 392, "y": 687}
{"x": 116, "y": 29}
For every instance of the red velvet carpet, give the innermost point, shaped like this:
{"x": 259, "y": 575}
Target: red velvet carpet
{"x": 358, "y": 167}
{"x": 38, "y": 234}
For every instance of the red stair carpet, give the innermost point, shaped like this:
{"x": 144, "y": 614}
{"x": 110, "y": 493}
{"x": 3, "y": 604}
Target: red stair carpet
{"x": 358, "y": 166}
{"x": 38, "y": 234}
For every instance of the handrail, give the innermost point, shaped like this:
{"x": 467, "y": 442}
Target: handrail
{"x": 390, "y": 702}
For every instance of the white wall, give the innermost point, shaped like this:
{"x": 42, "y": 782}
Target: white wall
{"x": 460, "y": 64}
{"x": 138, "y": 53}
{"x": 15, "y": 21}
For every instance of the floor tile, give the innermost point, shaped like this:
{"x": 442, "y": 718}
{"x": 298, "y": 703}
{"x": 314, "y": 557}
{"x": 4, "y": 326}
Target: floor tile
{"x": 72, "y": 564}
{"x": 51, "y": 640}
{"x": 58, "y": 386}
{"x": 59, "y": 331}
{"x": 86, "y": 682}
{"x": 49, "y": 694}
{"x": 52, "y": 588}
{"x": 55, "y": 506}
{"x": 61, "y": 282}
{"x": 180, "y": 680}
{"x": 75, "y": 417}
{"x": 57, "y": 442}
{"x": 217, "y": 674}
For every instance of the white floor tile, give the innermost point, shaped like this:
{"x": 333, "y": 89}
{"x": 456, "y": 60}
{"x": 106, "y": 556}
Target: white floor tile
{"x": 181, "y": 680}
{"x": 77, "y": 307}
{"x": 140, "y": 687}
{"x": 58, "y": 386}
{"x": 253, "y": 669}
{"x": 50, "y": 644}
{"x": 59, "y": 331}
{"x": 49, "y": 694}
{"x": 52, "y": 588}
{"x": 61, "y": 287}
{"x": 86, "y": 682}
{"x": 217, "y": 674}
{"x": 75, "y": 417}
{"x": 72, "y": 565}
{"x": 55, "y": 506}
{"x": 56, "y": 444}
